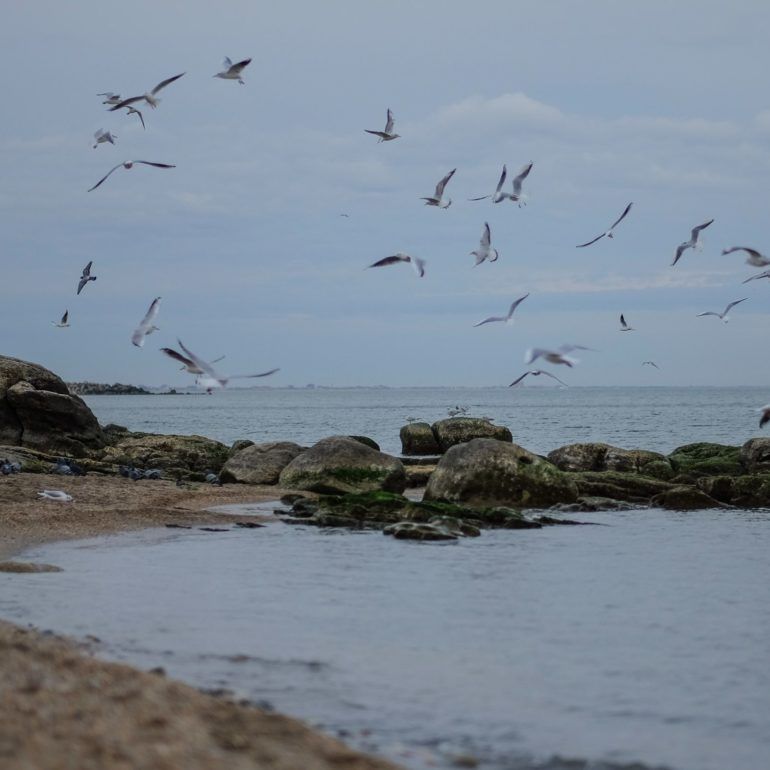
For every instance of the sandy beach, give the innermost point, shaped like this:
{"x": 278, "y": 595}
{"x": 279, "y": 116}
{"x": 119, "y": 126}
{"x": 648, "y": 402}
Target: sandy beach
{"x": 62, "y": 708}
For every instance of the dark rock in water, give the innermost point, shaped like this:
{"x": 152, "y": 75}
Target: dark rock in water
{"x": 37, "y": 411}
{"x": 410, "y": 530}
{"x": 707, "y": 459}
{"x": 260, "y": 463}
{"x": 550, "y": 521}
{"x": 631, "y": 487}
{"x": 366, "y": 441}
{"x": 213, "y": 529}
{"x": 685, "y": 499}
{"x": 749, "y": 491}
{"x": 241, "y": 443}
{"x": 596, "y": 456}
{"x": 588, "y": 504}
{"x": 249, "y": 524}
{"x": 417, "y": 439}
{"x": 755, "y": 455}
{"x": 460, "y": 430}
{"x": 23, "y": 566}
{"x": 339, "y": 464}
{"x": 485, "y": 472}
{"x": 178, "y": 526}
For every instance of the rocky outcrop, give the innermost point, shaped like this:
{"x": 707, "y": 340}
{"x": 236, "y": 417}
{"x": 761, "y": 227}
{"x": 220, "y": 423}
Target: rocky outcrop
{"x": 486, "y": 472}
{"x": 706, "y": 459}
{"x": 460, "y": 430}
{"x": 685, "y": 498}
{"x": 755, "y": 455}
{"x": 630, "y": 487}
{"x": 417, "y": 439}
{"x": 37, "y": 411}
{"x": 104, "y": 389}
{"x": 437, "y": 528}
{"x": 339, "y": 464}
{"x": 260, "y": 463}
{"x": 596, "y": 456}
{"x": 241, "y": 443}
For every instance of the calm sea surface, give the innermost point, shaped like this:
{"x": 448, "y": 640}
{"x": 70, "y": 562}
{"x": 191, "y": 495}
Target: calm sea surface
{"x": 644, "y": 640}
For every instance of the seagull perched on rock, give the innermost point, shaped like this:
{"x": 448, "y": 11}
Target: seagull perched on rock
{"x": 55, "y": 494}
{"x": 554, "y": 356}
{"x": 232, "y": 71}
{"x": 64, "y": 322}
{"x": 607, "y": 233}
{"x": 485, "y": 250}
{"x": 755, "y": 259}
{"x": 127, "y": 164}
{"x": 650, "y": 363}
{"x": 723, "y": 315}
{"x": 765, "y": 418}
{"x": 516, "y": 196}
{"x": 694, "y": 242}
{"x": 86, "y": 276}
{"x": 504, "y": 318}
{"x": 147, "y": 324}
{"x": 436, "y": 200}
{"x": 537, "y": 373}
{"x": 624, "y": 327}
{"x": 417, "y": 263}
{"x": 763, "y": 274}
{"x": 387, "y": 135}
{"x": 104, "y": 136}
{"x": 150, "y": 97}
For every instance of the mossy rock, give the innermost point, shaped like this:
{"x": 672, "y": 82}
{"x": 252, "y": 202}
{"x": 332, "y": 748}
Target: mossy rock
{"x": 685, "y": 499}
{"x": 707, "y": 459}
{"x": 422, "y": 531}
{"x": 631, "y": 487}
{"x": 417, "y": 438}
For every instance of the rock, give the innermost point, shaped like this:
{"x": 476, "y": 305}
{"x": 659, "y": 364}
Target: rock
{"x": 259, "y": 463}
{"x": 410, "y": 530}
{"x": 707, "y": 459}
{"x": 485, "y": 472}
{"x": 631, "y": 487}
{"x": 604, "y": 457}
{"x": 685, "y": 499}
{"x": 241, "y": 443}
{"x": 37, "y": 411}
{"x": 339, "y": 464}
{"x": 417, "y": 439}
{"x": 460, "y": 430}
{"x": 25, "y": 566}
{"x": 418, "y": 475}
{"x": 755, "y": 455}
{"x": 366, "y": 441}
{"x": 588, "y": 504}
{"x": 749, "y": 491}
{"x": 105, "y": 389}
{"x": 579, "y": 457}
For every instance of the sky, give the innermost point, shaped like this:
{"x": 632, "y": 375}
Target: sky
{"x": 661, "y": 104}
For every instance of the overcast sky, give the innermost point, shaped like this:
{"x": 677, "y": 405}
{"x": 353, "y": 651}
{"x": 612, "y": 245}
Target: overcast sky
{"x": 660, "y": 103}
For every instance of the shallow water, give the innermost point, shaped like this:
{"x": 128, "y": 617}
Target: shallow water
{"x": 645, "y": 640}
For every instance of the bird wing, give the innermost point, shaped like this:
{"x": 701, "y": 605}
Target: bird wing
{"x": 486, "y": 237}
{"x": 621, "y": 217}
{"x": 383, "y": 134}
{"x": 389, "y": 122}
{"x": 570, "y": 348}
{"x": 152, "y": 163}
{"x": 553, "y": 377}
{"x": 392, "y": 260}
{"x": 483, "y": 197}
{"x": 227, "y": 63}
{"x": 146, "y": 323}
{"x": 65, "y": 317}
{"x": 141, "y": 117}
{"x": 533, "y": 354}
{"x": 126, "y": 102}
{"x": 491, "y": 319}
{"x": 238, "y": 67}
{"x": 418, "y": 265}
{"x": 680, "y": 249}
{"x": 519, "y": 379}
{"x": 171, "y": 353}
{"x": 81, "y": 283}
{"x": 519, "y": 179}
{"x": 502, "y": 180}
{"x": 694, "y": 232}
{"x": 204, "y": 366}
{"x": 588, "y": 243}
{"x": 442, "y": 184}
{"x": 100, "y": 133}
{"x": 87, "y": 269}
{"x": 733, "y": 304}
{"x": 763, "y": 274}
{"x": 516, "y": 303}
{"x": 709, "y": 312}
{"x": 164, "y": 83}
{"x": 114, "y": 168}
{"x": 623, "y": 321}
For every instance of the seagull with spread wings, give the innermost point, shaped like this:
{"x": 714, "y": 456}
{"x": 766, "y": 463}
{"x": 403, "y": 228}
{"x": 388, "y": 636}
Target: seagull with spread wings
{"x": 516, "y": 196}
{"x": 436, "y": 199}
{"x": 695, "y": 241}
{"x": 485, "y": 250}
{"x": 127, "y": 164}
{"x": 387, "y": 135}
{"x": 110, "y": 98}
{"x": 233, "y": 71}
{"x": 755, "y": 259}
{"x": 554, "y": 356}
{"x": 64, "y": 322}
{"x": 723, "y": 315}
{"x": 537, "y": 373}
{"x": 86, "y": 276}
{"x": 150, "y": 97}
{"x": 607, "y": 233}
{"x": 650, "y": 363}
{"x": 417, "y": 263}
{"x": 504, "y": 318}
{"x": 147, "y": 324}
{"x": 102, "y": 136}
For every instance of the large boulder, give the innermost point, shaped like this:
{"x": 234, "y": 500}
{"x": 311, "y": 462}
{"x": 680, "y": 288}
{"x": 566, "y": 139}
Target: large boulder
{"x": 460, "y": 430}
{"x": 417, "y": 439}
{"x": 707, "y": 459}
{"x": 340, "y": 465}
{"x": 579, "y": 457}
{"x": 37, "y": 411}
{"x": 486, "y": 472}
{"x": 260, "y": 463}
{"x": 596, "y": 456}
{"x": 755, "y": 455}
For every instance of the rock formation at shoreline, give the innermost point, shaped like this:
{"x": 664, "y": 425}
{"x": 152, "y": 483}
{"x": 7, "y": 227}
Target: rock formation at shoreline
{"x": 104, "y": 389}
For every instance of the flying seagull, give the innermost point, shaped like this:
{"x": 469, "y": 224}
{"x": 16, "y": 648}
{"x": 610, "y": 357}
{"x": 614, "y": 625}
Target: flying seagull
{"x": 131, "y": 110}
{"x": 436, "y": 200}
{"x": 763, "y": 274}
{"x": 127, "y": 164}
{"x": 624, "y": 327}
{"x": 149, "y": 97}
{"x": 537, "y": 373}
{"x": 187, "y": 364}
{"x": 147, "y": 324}
{"x": 232, "y": 71}
{"x": 723, "y": 315}
{"x": 694, "y": 242}
{"x": 485, "y": 250}
{"x": 387, "y": 135}
{"x": 106, "y": 136}
{"x": 64, "y": 323}
{"x": 417, "y": 263}
{"x": 208, "y": 378}
{"x": 110, "y": 98}
{"x": 516, "y": 196}
{"x": 505, "y": 318}
{"x": 554, "y": 356}
{"x": 608, "y": 233}
{"x": 755, "y": 259}
{"x": 55, "y": 494}
{"x": 763, "y": 420}
{"x": 86, "y": 276}
{"x": 650, "y": 363}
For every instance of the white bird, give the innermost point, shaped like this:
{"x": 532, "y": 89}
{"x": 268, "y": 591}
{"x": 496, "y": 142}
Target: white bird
{"x": 387, "y": 135}
{"x": 624, "y": 327}
{"x": 763, "y": 420}
{"x": 86, "y": 276}
{"x": 150, "y": 97}
{"x": 232, "y": 71}
{"x": 187, "y": 364}
{"x": 537, "y": 373}
{"x": 485, "y": 250}
{"x": 650, "y": 363}
{"x": 516, "y": 196}
{"x": 127, "y": 164}
{"x": 694, "y": 242}
{"x": 554, "y": 356}
{"x": 723, "y": 315}
{"x": 608, "y": 233}
{"x": 110, "y": 97}
{"x": 64, "y": 323}
{"x": 763, "y": 274}
{"x": 104, "y": 136}
{"x": 417, "y": 263}
{"x": 208, "y": 378}
{"x": 55, "y": 494}
{"x": 130, "y": 110}
{"x": 755, "y": 259}
{"x": 146, "y": 325}
{"x": 436, "y": 199}
{"x": 504, "y": 318}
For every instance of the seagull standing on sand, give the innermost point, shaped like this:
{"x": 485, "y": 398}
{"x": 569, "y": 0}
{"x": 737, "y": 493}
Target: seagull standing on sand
{"x": 106, "y": 136}
{"x": 147, "y": 324}
{"x": 608, "y": 233}
{"x": 485, "y": 250}
{"x": 554, "y": 356}
{"x": 537, "y": 373}
{"x": 723, "y": 315}
{"x": 624, "y": 327}
{"x": 755, "y": 259}
{"x": 64, "y": 323}
{"x": 436, "y": 200}
{"x": 233, "y": 71}
{"x": 387, "y": 135}
{"x": 55, "y": 494}
{"x": 86, "y": 276}
{"x": 150, "y": 97}
{"x": 127, "y": 164}
{"x": 504, "y": 318}
{"x": 417, "y": 263}
{"x": 694, "y": 242}
{"x": 516, "y": 196}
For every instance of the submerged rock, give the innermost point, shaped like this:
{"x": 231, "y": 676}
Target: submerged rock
{"x": 417, "y": 439}
{"x": 410, "y": 530}
{"x": 260, "y": 463}
{"x": 685, "y": 498}
{"x": 460, "y": 430}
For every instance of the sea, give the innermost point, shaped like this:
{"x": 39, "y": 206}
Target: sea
{"x": 638, "y": 642}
